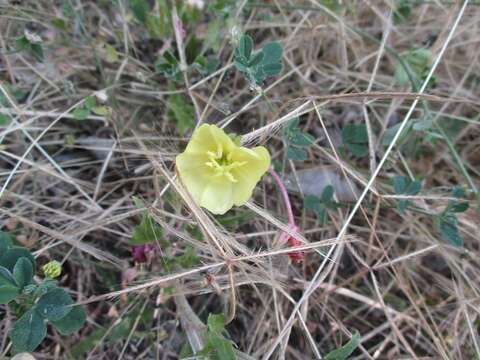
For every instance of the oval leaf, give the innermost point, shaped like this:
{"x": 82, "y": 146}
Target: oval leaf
{"x": 5, "y": 241}
{"x": 10, "y": 258}
{"x": 272, "y": 69}
{"x": 8, "y": 293}
{"x": 272, "y": 53}
{"x": 54, "y": 304}
{"x": 256, "y": 59}
{"x": 245, "y": 46}
{"x": 6, "y": 277}
{"x": 72, "y": 322}
{"x": 23, "y": 272}
{"x": 28, "y": 332}
{"x": 344, "y": 352}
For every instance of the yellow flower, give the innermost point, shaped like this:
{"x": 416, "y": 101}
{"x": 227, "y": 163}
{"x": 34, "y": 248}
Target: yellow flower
{"x": 217, "y": 172}
{"x": 52, "y": 269}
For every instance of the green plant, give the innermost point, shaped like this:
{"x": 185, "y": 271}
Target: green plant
{"x": 89, "y": 105}
{"x": 346, "y": 350}
{"x": 297, "y": 141}
{"x": 168, "y": 66}
{"x": 217, "y": 346}
{"x": 32, "y": 44}
{"x": 404, "y": 186}
{"x": 257, "y": 66}
{"x": 322, "y": 204}
{"x": 355, "y": 139}
{"x": 447, "y": 221}
{"x": 418, "y": 60}
{"x": 146, "y": 232}
{"x": 182, "y": 112}
{"x": 158, "y": 24}
{"x": 34, "y": 304}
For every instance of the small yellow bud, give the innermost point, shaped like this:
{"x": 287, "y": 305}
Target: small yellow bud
{"x": 52, "y": 270}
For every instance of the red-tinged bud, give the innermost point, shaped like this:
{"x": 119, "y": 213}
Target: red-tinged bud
{"x": 143, "y": 253}
{"x": 295, "y": 255}
{"x": 293, "y": 242}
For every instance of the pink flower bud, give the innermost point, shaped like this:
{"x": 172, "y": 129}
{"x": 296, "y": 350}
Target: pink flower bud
{"x": 143, "y": 253}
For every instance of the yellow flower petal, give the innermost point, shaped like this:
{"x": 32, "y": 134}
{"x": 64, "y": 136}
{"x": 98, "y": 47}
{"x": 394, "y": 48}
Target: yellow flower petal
{"x": 217, "y": 197}
{"x": 194, "y": 174}
{"x": 219, "y": 173}
{"x": 209, "y": 138}
{"x": 258, "y": 162}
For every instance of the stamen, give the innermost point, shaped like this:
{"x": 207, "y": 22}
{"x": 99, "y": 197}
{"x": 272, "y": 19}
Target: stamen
{"x": 222, "y": 164}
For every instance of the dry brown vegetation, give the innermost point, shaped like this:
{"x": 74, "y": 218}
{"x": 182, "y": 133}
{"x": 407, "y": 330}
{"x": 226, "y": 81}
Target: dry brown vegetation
{"x": 68, "y": 185}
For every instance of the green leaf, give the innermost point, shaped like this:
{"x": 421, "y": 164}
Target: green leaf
{"x": 422, "y": 125}
{"x": 448, "y": 226}
{"x": 346, "y": 350}
{"x": 15, "y": 92}
{"x": 302, "y": 139}
{"x": 183, "y": 113}
{"x": 8, "y": 293}
{"x": 320, "y": 205}
{"x": 402, "y": 12}
{"x": 140, "y": 9}
{"x": 157, "y": 26}
{"x": 245, "y": 46}
{"x": 72, "y": 322}
{"x": 355, "y": 138}
{"x": 45, "y": 286}
{"x": 37, "y": 51}
{"x": 257, "y": 75}
{"x": 216, "y": 323}
{"x": 404, "y": 186}
{"x": 400, "y": 184}
{"x": 256, "y": 59}
{"x": 402, "y": 205}
{"x": 23, "y": 272}
{"x": 6, "y": 277}
{"x": 59, "y": 23}
{"x": 294, "y": 135}
{"x": 273, "y": 53}
{"x": 90, "y": 102}
{"x": 390, "y": 133}
{"x": 355, "y": 134}
{"x": 28, "y": 332}
{"x": 34, "y": 49}
{"x": 11, "y": 256}
{"x": 81, "y": 113}
{"x": 188, "y": 259}
{"x": 413, "y": 188}
{"x": 168, "y": 66}
{"x": 222, "y": 348}
{"x": 54, "y": 304}
{"x": 240, "y": 65}
{"x": 5, "y": 241}
{"x": 217, "y": 346}
{"x": 358, "y": 149}
{"x": 146, "y": 232}
{"x": 458, "y": 192}
{"x": 327, "y": 194}
{"x": 272, "y": 69}
{"x": 22, "y": 43}
{"x": 101, "y": 110}
{"x": 111, "y": 54}
{"x": 459, "y": 207}
{"x": 297, "y": 154}
{"x": 4, "y": 120}
{"x": 418, "y": 61}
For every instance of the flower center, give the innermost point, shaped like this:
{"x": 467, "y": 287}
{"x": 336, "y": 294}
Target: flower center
{"x": 221, "y": 162}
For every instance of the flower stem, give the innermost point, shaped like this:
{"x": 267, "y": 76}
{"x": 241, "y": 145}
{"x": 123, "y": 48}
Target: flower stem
{"x": 286, "y": 199}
